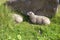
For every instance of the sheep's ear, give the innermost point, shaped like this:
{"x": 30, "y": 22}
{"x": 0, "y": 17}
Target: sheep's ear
{"x": 30, "y": 13}
{"x": 27, "y": 13}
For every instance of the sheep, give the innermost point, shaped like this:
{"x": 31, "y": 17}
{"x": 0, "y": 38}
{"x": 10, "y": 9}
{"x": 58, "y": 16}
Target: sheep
{"x": 17, "y": 18}
{"x": 38, "y": 19}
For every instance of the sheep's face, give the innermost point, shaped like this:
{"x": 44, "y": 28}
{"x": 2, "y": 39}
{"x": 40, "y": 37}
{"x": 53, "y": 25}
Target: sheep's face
{"x": 30, "y": 13}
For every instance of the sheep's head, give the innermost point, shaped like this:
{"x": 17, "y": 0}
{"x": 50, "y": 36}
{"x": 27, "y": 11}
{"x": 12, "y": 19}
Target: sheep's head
{"x": 30, "y": 13}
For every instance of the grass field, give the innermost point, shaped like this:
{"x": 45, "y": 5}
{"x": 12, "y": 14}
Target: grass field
{"x": 26, "y": 31}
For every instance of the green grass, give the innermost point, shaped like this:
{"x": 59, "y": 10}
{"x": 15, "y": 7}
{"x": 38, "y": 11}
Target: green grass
{"x": 26, "y": 31}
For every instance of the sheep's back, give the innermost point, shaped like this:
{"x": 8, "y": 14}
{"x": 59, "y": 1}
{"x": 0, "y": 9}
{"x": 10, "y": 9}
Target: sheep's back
{"x": 39, "y": 20}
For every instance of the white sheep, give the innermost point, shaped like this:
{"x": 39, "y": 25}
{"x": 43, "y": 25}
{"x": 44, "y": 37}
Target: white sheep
{"x": 17, "y": 18}
{"x": 38, "y": 19}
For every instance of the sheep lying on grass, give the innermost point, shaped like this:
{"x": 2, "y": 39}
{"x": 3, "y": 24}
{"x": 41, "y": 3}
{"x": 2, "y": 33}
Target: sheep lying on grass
{"x": 38, "y": 19}
{"x": 17, "y": 18}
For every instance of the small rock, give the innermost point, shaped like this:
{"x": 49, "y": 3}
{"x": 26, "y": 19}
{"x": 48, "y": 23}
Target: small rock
{"x": 17, "y": 18}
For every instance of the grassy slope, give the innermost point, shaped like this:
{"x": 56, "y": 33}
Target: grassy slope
{"x": 26, "y": 31}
